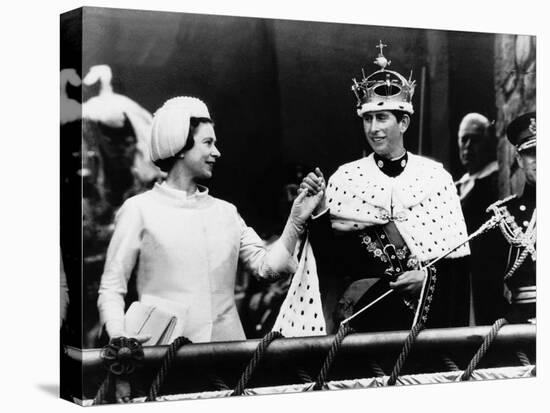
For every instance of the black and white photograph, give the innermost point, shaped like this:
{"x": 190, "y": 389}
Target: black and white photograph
{"x": 268, "y": 207}
{"x": 298, "y": 195}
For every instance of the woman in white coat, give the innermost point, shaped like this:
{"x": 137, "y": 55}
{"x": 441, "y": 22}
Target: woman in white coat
{"x": 184, "y": 244}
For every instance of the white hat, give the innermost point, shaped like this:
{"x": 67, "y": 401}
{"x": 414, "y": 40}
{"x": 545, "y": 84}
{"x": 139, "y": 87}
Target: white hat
{"x": 171, "y": 125}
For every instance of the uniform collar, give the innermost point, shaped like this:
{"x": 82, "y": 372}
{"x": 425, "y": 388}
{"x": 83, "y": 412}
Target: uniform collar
{"x": 482, "y": 173}
{"x": 467, "y": 182}
{"x": 392, "y": 167}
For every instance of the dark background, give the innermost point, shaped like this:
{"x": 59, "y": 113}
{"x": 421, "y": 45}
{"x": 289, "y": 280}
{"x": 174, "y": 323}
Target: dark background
{"x": 280, "y": 94}
{"x": 279, "y": 90}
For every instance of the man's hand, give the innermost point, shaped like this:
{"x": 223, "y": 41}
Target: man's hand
{"x": 409, "y": 283}
{"x": 314, "y": 184}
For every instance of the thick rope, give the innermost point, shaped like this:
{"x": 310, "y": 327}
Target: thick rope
{"x": 342, "y": 332}
{"x": 101, "y": 395}
{"x": 487, "y": 341}
{"x": 166, "y": 363}
{"x": 253, "y": 364}
{"x": 523, "y": 359}
{"x": 449, "y": 363}
{"x": 411, "y": 338}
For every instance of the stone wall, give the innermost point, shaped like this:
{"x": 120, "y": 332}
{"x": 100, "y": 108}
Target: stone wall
{"x": 515, "y": 90}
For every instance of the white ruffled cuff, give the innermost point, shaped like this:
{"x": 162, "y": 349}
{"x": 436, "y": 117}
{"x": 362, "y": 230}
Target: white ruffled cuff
{"x": 278, "y": 262}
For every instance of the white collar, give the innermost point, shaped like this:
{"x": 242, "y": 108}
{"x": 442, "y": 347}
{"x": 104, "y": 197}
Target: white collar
{"x": 482, "y": 173}
{"x": 200, "y": 193}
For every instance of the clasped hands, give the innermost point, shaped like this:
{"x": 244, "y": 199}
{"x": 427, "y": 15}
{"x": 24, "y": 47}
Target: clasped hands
{"x": 311, "y": 194}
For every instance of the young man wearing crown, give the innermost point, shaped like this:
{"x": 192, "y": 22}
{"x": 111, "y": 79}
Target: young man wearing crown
{"x": 384, "y": 219}
{"x": 517, "y": 224}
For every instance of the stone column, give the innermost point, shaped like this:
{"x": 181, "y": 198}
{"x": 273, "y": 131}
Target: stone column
{"x": 515, "y": 90}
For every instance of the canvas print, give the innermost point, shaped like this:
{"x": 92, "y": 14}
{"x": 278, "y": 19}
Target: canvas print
{"x": 260, "y": 206}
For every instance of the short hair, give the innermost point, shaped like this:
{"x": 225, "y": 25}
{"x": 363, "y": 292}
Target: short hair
{"x": 479, "y": 120}
{"x": 486, "y": 129}
{"x": 165, "y": 165}
{"x": 483, "y": 123}
{"x": 399, "y": 114}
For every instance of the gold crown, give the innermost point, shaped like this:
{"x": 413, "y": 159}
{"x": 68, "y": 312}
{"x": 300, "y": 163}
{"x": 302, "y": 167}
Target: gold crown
{"x": 383, "y": 89}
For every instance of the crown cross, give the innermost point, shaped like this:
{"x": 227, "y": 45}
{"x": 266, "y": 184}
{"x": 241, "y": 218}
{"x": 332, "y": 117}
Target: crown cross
{"x": 381, "y": 59}
{"x": 381, "y": 47}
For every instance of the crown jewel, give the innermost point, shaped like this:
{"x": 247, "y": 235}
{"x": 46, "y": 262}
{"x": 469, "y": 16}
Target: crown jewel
{"x": 383, "y": 89}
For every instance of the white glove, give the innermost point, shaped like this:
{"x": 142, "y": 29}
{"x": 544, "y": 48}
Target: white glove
{"x": 314, "y": 183}
{"x": 303, "y": 206}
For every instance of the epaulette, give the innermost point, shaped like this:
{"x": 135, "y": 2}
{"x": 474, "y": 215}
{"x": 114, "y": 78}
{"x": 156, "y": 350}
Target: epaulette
{"x": 497, "y": 206}
{"x": 506, "y": 221}
{"x": 514, "y": 235}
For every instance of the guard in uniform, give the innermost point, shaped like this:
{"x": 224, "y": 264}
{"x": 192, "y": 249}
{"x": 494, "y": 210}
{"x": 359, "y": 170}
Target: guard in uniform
{"x": 517, "y": 224}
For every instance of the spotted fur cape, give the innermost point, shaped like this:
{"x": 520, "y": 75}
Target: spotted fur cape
{"x": 423, "y": 203}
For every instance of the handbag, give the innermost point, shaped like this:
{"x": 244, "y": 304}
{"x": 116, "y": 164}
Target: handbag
{"x": 149, "y": 320}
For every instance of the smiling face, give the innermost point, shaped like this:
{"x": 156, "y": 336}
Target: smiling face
{"x": 198, "y": 162}
{"x": 474, "y": 145}
{"x": 384, "y": 133}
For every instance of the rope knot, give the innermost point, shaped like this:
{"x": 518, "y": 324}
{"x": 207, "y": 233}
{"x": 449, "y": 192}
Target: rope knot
{"x": 122, "y": 355}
